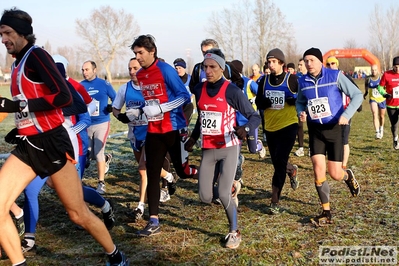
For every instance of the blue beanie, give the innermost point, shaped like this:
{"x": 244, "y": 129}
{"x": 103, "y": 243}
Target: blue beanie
{"x": 180, "y": 64}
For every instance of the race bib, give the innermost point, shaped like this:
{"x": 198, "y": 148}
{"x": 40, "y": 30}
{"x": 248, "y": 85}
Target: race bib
{"x": 22, "y": 119}
{"x": 319, "y": 108}
{"x": 376, "y": 93}
{"x": 211, "y": 123}
{"x": 277, "y": 98}
{"x": 97, "y": 111}
{"x": 154, "y": 118}
{"x": 395, "y": 92}
{"x": 141, "y": 120}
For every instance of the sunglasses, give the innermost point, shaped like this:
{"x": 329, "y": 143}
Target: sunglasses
{"x": 332, "y": 63}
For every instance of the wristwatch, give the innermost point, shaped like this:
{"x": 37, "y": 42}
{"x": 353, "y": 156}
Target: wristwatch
{"x": 247, "y": 129}
{"x": 22, "y": 105}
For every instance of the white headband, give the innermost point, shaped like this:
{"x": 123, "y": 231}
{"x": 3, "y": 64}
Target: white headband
{"x": 218, "y": 59}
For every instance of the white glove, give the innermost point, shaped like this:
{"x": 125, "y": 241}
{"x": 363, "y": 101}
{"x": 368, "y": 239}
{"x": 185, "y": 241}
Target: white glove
{"x": 152, "y": 110}
{"x": 132, "y": 114}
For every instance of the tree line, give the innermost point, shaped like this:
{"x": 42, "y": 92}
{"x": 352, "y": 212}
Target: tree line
{"x": 246, "y": 31}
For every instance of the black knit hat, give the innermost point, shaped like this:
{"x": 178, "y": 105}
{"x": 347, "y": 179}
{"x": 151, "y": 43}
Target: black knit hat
{"x": 276, "y": 53}
{"x": 395, "y": 61}
{"x": 291, "y": 65}
{"x": 315, "y": 52}
{"x": 237, "y": 64}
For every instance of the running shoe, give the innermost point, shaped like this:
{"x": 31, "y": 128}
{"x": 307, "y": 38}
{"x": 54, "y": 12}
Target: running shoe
{"x": 108, "y": 159}
{"x": 28, "y": 251}
{"x": 299, "y": 152}
{"x": 136, "y": 214}
{"x": 262, "y": 152}
{"x": 172, "y": 185}
{"x": 165, "y": 195}
{"x": 378, "y": 135}
{"x": 396, "y": 145}
{"x": 19, "y": 223}
{"x": 273, "y": 209}
{"x": 101, "y": 188}
{"x": 109, "y": 217}
{"x": 149, "y": 230}
{"x": 352, "y": 183}
{"x": 323, "y": 219}
{"x": 294, "y": 178}
{"x": 233, "y": 240}
{"x": 124, "y": 262}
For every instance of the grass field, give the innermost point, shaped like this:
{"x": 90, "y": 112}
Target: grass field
{"x": 192, "y": 231}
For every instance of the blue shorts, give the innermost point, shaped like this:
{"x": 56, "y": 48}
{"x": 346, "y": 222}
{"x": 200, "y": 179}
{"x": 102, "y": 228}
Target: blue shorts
{"x": 381, "y": 105}
{"x": 137, "y": 145}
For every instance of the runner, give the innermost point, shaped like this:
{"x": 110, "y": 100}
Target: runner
{"x": 322, "y": 108}
{"x": 164, "y": 94}
{"x": 45, "y": 148}
{"x": 217, "y": 102}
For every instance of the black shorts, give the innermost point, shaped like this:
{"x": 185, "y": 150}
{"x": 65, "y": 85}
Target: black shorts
{"x": 345, "y": 133}
{"x": 46, "y": 153}
{"x": 327, "y": 140}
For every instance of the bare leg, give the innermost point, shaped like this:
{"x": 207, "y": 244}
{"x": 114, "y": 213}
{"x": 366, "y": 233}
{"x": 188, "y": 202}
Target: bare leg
{"x": 71, "y": 197}
{"x": 14, "y": 177}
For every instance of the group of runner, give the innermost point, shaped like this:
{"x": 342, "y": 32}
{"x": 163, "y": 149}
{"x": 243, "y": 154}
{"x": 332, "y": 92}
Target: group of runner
{"x": 158, "y": 110}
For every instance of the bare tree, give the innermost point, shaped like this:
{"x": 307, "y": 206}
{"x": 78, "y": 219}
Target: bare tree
{"x": 249, "y": 29}
{"x": 107, "y": 33}
{"x": 47, "y": 47}
{"x": 272, "y": 30}
{"x": 384, "y": 35}
{"x": 74, "y": 61}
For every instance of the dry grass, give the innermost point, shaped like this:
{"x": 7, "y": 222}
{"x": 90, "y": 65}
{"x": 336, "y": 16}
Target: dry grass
{"x": 192, "y": 231}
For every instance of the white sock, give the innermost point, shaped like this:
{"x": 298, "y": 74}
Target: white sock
{"x": 105, "y": 208}
{"x": 396, "y": 138}
{"x": 381, "y": 129}
{"x": 20, "y": 214}
{"x": 300, "y": 148}
{"x": 19, "y": 263}
{"x": 169, "y": 177}
{"x": 141, "y": 206}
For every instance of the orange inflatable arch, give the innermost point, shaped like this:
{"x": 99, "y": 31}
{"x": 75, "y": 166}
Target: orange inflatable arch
{"x": 354, "y": 53}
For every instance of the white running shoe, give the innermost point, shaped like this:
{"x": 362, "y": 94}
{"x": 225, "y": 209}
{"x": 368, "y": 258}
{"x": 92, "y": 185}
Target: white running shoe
{"x": 164, "y": 195}
{"x": 300, "y": 152}
{"x": 262, "y": 152}
{"x": 101, "y": 188}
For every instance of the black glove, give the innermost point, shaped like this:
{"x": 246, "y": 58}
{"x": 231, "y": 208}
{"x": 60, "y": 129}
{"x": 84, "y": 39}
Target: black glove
{"x": 387, "y": 96}
{"x": 263, "y": 103}
{"x": 241, "y": 132}
{"x": 123, "y": 118}
{"x": 360, "y": 108}
{"x": 188, "y": 146}
{"x": 290, "y": 100}
{"x": 11, "y": 137}
{"x": 108, "y": 108}
{"x": 9, "y": 106}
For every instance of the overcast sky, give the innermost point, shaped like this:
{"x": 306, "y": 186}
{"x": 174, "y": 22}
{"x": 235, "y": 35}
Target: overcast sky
{"x": 179, "y": 25}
